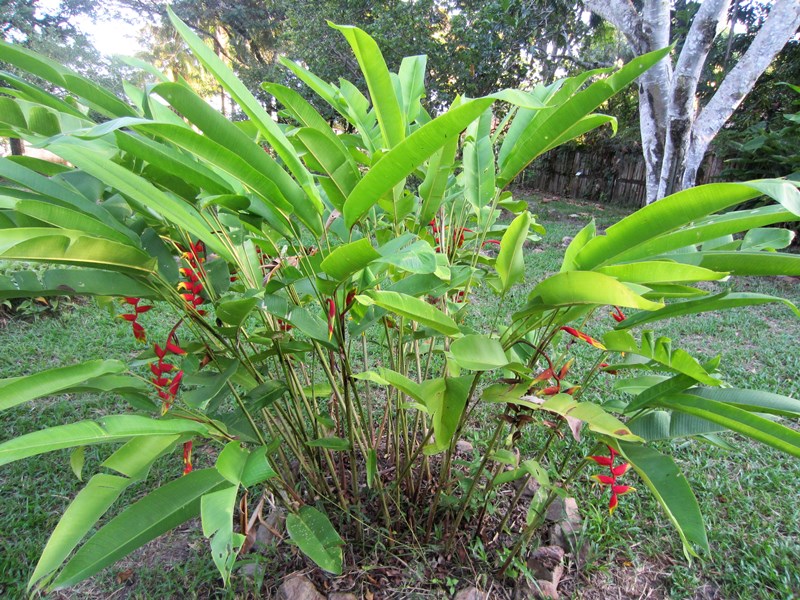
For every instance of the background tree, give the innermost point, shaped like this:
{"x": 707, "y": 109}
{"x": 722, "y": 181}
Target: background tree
{"x": 675, "y": 132}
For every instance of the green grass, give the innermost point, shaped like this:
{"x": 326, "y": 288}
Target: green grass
{"x": 749, "y": 495}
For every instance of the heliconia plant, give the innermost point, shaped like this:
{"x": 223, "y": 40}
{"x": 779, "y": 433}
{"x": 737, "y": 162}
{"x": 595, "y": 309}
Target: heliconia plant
{"x": 316, "y": 281}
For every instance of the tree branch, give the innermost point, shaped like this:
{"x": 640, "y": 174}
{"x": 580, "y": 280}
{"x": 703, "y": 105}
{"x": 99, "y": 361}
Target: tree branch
{"x": 622, "y": 15}
{"x": 780, "y": 26}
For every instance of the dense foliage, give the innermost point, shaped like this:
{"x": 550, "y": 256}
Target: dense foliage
{"x": 318, "y": 284}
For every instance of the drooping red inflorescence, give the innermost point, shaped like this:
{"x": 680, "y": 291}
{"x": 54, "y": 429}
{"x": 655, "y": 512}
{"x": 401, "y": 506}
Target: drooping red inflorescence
{"x": 138, "y": 330}
{"x": 611, "y": 479}
{"x": 167, "y": 386}
{"x": 192, "y": 285}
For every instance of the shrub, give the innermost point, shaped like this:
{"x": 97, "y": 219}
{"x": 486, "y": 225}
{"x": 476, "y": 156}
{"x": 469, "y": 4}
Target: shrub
{"x": 319, "y": 283}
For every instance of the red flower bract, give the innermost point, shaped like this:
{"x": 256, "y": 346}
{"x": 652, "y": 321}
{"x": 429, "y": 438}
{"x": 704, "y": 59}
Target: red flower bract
{"x": 611, "y": 480}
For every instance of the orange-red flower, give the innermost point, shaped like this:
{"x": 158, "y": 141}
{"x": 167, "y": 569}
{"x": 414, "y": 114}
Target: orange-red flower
{"x": 138, "y": 331}
{"x": 582, "y": 336}
{"x": 187, "y": 457}
{"x": 618, "y": 315}
{"x": 611, "y": 479}
{"x": 167, "y": 386}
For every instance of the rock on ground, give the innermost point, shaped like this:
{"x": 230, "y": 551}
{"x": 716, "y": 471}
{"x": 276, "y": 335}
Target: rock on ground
{"x": 298, "y": 587}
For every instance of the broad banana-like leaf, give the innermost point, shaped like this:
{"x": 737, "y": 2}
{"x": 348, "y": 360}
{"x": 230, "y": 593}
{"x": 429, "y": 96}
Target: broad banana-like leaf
{"x": 668, "y": 214}
{"x": 313, "y": 533}
{"x": 408, "y": 155}
{"x": 161, "y": 510}
{"x": 379, "y": 83}
{"x": 48, "y": 244}
{"x": 587, "y": 287}
{"x": 721, "y": 301}
{"x": 539, "y": 135}
{"x": 669, "y": 486}
{"x": 446, "y": 398}
{"x": 17, "y": 390}
{"x": 113, "y": 428}
{"x": 412, "y": 308}
{"x": 734, "y": 418}
{"x": 92, "y": 94}
{"x": 510, "y": 264}
{"x": 478, "y": 353}
{"x": 132, "y": 461}
{"x": 251, "y": 107}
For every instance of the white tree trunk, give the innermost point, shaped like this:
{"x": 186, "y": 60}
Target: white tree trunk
{"x": 673, "y": 140}
{"x": 781, "y": 25}
{"x": 681, "y": 110}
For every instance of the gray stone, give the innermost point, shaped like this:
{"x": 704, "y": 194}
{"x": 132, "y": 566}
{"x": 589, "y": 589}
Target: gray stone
{"x": 463, "y": 446}
{"x": 563, "y": 509}
{"x": 342, "y": 596}
{"x": 469, "y": 593}
{"x": 541, "y": 590}
{"x": 298, "y": 587}
{"x": 531, "y": 487}
{"x": 547, "y": 563}
{"x": 567, "y": 527}
{"x": 266, "y": 534}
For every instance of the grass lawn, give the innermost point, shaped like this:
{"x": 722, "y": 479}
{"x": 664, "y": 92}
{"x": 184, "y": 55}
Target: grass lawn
{"x": 748, "y": 494}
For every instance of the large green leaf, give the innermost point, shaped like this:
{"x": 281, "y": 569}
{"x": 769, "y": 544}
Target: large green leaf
{"x": 48, "y": 244}
{"x": 721, "y": 301}
{"x": 592, "y": 414}
{"x": 540, "y": 133}
{"x": 708, "y": 228}
{"x": 510, "y": 264}
{"x": 752, "y": 400}
{"x": 478, "y": 353}
{"x": 158, "y": 512}
{"x": 92, "y": 94}
{"x": 219, "y": 129}
{"x": 660, "y": 271}
{"x": 313, "y": 533}
{"x": 479, "y": 168}
{"x": 669, "y": 486}
{"x": 251, "y": 107}
{"x": 141, "y": 190}
{"x": 412, "y": 308}
{"x": 171, "y": 160}
{"x": 663, "y": 217}
{"x": 742, "y": 421}
{"x": 348, "y": 259}
{"x": 113, "y": 428}
{"x": 666, "y": 425}
{"x": 46, "y": 383}
{"x": 446, "y": 398}
{"x": 587, "y": 287}
{"x": 744, "y": 263}
{"x": 133, "y": 462}
{"x": 409, "y": 154}
{"x": 379, "y": 83}
{"x": 216, "y": 512}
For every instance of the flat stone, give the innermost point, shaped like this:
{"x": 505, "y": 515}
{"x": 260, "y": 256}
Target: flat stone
{"x": 463, "y": 446}
{"x": 546, "y": 590}
{"x": 568, "y": 526}
{"x": 531, "y": 487}
{"x": 469, "y": 593}
{"x": 541, "y": 590}
{"x": 342, "y": 596}
{"x": 266, "y": 534}
{"x": 547, "y": 563}
{"x": 298, "y": 587}
{"x": 563, "y": 509}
